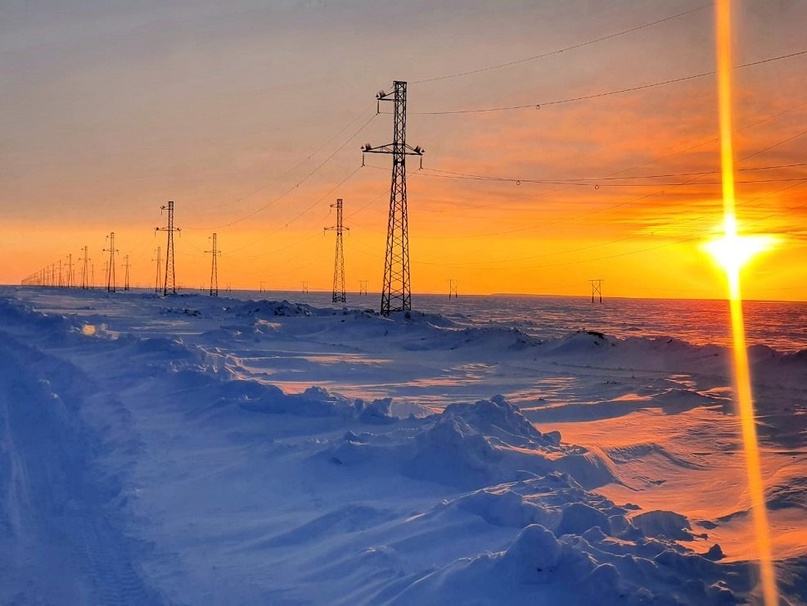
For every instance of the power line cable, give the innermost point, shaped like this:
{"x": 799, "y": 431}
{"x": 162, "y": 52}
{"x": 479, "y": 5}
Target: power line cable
{"x": 303, "y": 212}
{"x": 296, "y": 185}
{"x": 606, "y": 93}
{"x": 562, "y": 50}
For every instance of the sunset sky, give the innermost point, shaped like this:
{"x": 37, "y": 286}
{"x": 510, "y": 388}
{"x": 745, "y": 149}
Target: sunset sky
{"x": 250, "y": 115}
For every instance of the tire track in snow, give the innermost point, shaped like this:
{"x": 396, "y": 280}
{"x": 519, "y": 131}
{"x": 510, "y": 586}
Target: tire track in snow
{"x": 60, "y": 541}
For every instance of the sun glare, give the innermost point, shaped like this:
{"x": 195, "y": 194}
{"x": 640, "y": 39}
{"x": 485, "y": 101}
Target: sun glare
{"x": 733, "y": 251}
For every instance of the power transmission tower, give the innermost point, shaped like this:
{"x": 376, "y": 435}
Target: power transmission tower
{"x": 170, "y": 272}
{"x": 159, "y": 271}
{"x": 396, "y": 294}
{"x": 452, "y": 289}
{"x": 69, "y": 270}
{"x": 126, "y": 274}
{"x": 214, "y": 270}
{"x": 305, "y": 287}
{"x": 61, "y": 282}
{"x": 110, "y": 272}
{"x": 362, "y": 287}
{"x": 596, "y": 289}
{"x": 84, "y": 275}
{"x": 339, "y": 295}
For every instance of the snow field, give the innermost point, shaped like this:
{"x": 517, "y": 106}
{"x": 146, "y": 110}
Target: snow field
{"x": 199, "y": 451}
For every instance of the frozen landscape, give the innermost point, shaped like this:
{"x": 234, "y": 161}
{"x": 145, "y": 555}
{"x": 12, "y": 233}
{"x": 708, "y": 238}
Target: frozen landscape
{"x": 198, "y": 450}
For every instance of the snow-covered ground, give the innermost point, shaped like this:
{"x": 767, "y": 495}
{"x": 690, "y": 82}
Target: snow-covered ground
{"x": 194, "y": 450}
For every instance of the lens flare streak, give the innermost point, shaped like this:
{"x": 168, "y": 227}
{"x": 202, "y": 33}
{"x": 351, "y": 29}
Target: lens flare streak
{"x": 733, "y": 251}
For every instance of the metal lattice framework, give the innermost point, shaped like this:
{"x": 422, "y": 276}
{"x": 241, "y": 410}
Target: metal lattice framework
{"x": 158, "y": 279}
{"x": 110, "y": 268}
{"x": 85, "y": 277}
{"x": 126, "y": 274}
{"x": 214, "y": 269}
{"x": 396, "y": 294}
{"x": 170, "y": 285}
{"x": 339, "y": 294}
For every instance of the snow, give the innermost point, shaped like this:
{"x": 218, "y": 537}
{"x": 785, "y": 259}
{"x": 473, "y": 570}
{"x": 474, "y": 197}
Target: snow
{"x": 197, "y": 450}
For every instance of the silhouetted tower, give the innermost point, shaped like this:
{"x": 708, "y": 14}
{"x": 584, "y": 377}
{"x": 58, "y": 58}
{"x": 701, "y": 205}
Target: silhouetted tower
{"x": 452, "y": 289}
{"x": 126, "y": 272}
{"x": 85, "y": 277}
{"x": 396, "y": 294}
{"x": 170, "y": 285}
{"x": 69, "y": 282}
{"x": 339, "y": 295}
{"x": 362, "y": 287}
{"x": 305, "y": 287}
{"x": 596, "y": 289}
{"x": 158, "y": 279}
{"x": 110, "y": 268}
{"x": 214, "y": 270}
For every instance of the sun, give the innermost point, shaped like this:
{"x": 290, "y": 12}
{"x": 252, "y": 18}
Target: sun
{"x": 733, "y": 251}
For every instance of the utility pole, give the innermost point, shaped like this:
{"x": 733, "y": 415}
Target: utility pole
{"x": 110, "y": 273}
{"x": 452, "y": 289}
{"x": 596, "y": 289}
{"x": 396, "y": 294}
{"x": 170, "y": 272}
{"x": 126, "y": 274}
{"x": 159, "y": 271}
{"x": 339, "y": 294}
{"x": 214, "y": 270}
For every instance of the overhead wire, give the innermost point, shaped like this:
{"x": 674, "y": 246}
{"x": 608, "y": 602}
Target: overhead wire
{"x": 678, "y": 240}
{"x": 561, "y": 50}
{"x": 603, "y": 94}
{"x": 798, "y": 181}
{"x": 297, "y": 184}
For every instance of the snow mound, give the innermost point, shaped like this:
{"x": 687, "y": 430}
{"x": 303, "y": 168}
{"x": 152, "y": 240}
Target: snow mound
{"x": 538, "y": 567}
{"x": 473, "y": 445}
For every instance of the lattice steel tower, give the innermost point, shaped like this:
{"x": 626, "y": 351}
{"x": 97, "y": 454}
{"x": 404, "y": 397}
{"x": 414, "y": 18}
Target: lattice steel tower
{"x": 110, "y": 271}
{"x": 214, "y": 270}
{"x": 396, "y": 294}
{"x": 170, "y": 285}
{"x": 126, "y": 275}
{"x": 84, "y": 275}
{"x": 339, "y": 295}
{"x": 158, "y": 279}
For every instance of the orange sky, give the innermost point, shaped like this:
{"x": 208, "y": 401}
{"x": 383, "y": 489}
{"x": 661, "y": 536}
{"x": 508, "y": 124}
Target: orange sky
{"x": 244, "y": 115}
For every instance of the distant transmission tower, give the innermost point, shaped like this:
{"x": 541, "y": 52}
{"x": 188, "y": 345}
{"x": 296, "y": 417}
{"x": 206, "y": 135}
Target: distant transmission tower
{"x": 158, "y": 279}
{"x": 110, "y": 272}
{"x": 170, "y": 272}
{"x": 596, "y": 289}
{"x": 339, "y": 295}
{"x": 214, "y": 270}
{"x": 126, "y": 273}
{"x": 85, "y": 277}
{"x": 452, "y": 289}
{"x": 305, "y": 287}
{"x": 396, "y": 294}
{"x": 362, "y": 287}
{"x": 69, "y": 270}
